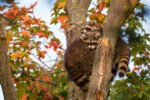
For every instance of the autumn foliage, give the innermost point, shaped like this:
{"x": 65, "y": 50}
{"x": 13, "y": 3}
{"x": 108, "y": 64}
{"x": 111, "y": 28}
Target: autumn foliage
{"x": 29, "y": 41}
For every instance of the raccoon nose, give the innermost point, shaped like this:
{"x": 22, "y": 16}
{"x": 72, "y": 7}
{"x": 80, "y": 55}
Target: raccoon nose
{"x": 92, "y": 47}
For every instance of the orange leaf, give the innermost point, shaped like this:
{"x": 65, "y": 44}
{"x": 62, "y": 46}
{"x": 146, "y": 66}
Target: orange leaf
{"x": 11, "y": 14}
{"x": 38, "y": 84}
{"x": 25, "y": 18}
{"x": 36, "y": 21}
{"x": 42, "y": 87}
{"x": 46, "y": 78}
{"x": 42, "y": 54}
{"x": 63, "y": 18}
{"x": 24, "y": 97}
{"x": 25, "y": 44}
{"x": 65, "y": 26}
{"x": 16, "y": 55}
{"x": 41, "y": 35}
{"x": 30, "y": 88}
{"x": 61, "y": 98}
{"x": 26, "y": 33}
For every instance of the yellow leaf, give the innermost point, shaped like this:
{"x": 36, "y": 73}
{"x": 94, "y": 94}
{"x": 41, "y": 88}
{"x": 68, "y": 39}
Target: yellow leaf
{"x": 61, "y": 5}
{"x": 101, "y": 18}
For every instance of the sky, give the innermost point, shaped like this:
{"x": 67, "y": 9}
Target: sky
{"x": 43, "y": 11}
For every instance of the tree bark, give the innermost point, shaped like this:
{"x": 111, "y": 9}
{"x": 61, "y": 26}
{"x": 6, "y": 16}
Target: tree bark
{"x": 101, "y": 75}
{"x": 5, "y": 73}
{"x": 77, "y": 12}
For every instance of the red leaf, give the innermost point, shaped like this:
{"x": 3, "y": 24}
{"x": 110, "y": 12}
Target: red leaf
{"x": 54, "y": 44}
{"x": 136, "y": 69}
{"x": 46, "y": 46}
{"x": 101, "y": 6}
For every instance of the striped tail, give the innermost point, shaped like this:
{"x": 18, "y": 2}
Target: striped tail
{"x": 123, "y": 65}
{"x": 80, "y": 79}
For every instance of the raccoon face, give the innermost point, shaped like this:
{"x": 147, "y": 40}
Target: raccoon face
{"x": 90, "y": 34}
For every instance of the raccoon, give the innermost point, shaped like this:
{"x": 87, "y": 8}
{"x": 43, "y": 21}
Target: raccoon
{"x": 79, "y": 56}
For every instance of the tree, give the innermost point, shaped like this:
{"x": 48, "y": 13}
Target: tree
{"x": 101, "y": 76}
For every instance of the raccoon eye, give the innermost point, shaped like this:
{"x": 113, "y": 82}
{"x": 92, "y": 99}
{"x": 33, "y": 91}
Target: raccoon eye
{"x": 83, "y": 36}
{"x": 88, "y": 29}
{"x": 83, "y": 31}
{"x": 97, "y": 36}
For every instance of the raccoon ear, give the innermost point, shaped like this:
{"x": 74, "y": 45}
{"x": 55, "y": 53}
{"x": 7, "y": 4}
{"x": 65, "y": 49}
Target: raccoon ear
{"x": 101, "y": 27}
{"x": 93, "y": 23}
{"x": 81, "y": 25}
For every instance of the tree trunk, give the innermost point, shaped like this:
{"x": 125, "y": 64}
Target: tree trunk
{"x": 5, "y": 73}
{"x": 77, "y": 11}
{"x": 101, "y": 75}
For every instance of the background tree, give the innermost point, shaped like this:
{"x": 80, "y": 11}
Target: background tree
{"x": 5, "y": 77}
